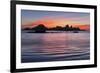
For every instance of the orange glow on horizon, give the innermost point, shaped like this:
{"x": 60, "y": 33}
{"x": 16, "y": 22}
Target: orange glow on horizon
{"x": 49, "y": 23}
{"x": 83, "y": 27}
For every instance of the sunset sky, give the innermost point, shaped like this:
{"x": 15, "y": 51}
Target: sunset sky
{"x": 31, "y": 18}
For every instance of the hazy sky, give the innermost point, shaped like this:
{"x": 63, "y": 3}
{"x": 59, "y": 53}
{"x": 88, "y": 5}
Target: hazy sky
{"x": 31, "y": 18}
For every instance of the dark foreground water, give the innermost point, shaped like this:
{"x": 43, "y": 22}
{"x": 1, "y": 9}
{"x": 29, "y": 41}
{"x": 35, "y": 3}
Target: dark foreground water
{"x": 65, "y": 46}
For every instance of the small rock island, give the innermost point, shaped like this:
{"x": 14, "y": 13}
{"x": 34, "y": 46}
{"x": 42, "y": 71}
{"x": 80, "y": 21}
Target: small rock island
{"x": 42, "y": 29}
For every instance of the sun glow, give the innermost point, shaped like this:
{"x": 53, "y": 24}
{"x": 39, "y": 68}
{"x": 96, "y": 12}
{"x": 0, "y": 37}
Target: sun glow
{"x": 51, "y": 19}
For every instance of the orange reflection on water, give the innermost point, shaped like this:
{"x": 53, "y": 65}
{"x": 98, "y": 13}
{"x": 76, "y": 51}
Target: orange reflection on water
{"x": 54, "y": 44}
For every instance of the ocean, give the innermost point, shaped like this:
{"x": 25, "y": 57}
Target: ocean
{"x": 61, "y": 46}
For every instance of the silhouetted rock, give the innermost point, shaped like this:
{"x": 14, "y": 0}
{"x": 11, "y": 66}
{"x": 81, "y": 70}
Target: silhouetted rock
{"x": 26, "y": 29}
{"x": 40, "y": 28}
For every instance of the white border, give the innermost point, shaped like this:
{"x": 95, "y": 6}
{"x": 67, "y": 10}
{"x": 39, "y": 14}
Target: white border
{"x": 20, "y": 65}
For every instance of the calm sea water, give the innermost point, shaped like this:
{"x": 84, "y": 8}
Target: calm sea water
{"x": 65, "y": 46}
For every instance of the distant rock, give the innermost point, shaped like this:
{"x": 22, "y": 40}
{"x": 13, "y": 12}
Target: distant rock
{"x": 40, "y": 29}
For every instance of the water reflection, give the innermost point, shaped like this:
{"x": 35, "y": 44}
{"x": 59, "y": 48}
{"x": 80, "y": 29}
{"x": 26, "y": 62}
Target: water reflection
{"x": 53, "y": 43}
{"x": 55, "y": 46}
